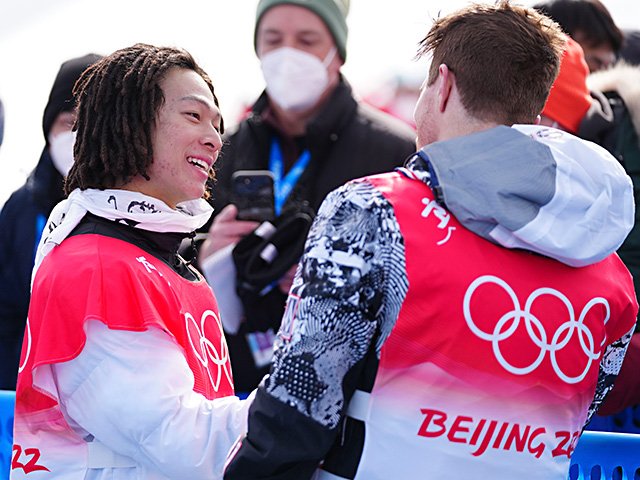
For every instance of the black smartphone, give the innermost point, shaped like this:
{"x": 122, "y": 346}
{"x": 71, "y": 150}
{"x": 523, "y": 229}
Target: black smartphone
{"x": 252, "y": 193}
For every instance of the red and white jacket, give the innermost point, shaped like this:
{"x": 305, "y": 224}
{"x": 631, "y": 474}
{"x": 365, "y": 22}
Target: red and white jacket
{"x": 124, "y": 366}
{"x": 493, "y": 361}
{"x": 415, "y": 345}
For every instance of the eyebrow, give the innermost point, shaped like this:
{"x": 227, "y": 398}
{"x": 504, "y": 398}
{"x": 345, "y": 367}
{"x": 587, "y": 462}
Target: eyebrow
{"x": 202, "y": 101}
{"x": 276, "y": 31}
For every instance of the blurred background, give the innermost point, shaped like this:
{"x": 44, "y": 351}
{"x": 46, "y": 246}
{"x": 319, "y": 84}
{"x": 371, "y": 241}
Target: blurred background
{"x": 36, "y": 36}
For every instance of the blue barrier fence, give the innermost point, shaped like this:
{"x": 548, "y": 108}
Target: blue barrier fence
{"x": 626, "y": 421}
{"x": 598, "y": 455}
{"x": 7, "y": 401}
{"x": 606, "y": 456}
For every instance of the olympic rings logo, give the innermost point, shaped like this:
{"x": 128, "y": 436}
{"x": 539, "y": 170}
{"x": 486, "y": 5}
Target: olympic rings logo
{"x": 206, "y": 352}
{"x": 507, "y": 325}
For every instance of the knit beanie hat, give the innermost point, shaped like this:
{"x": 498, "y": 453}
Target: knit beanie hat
{"x": 569, "y": 98}
{"x": 332, "y": 12}
{"x": 61, "y": 98}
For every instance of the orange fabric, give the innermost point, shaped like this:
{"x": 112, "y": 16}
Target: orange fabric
{"x": 569, "y": 99}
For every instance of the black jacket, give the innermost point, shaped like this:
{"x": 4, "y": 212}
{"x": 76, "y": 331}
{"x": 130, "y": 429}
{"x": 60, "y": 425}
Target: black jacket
{"x": 346, "y": 140}
{"x": 22, "y": 220}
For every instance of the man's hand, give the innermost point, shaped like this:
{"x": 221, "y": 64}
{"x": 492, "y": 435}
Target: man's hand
{"x": 225, "y": 230}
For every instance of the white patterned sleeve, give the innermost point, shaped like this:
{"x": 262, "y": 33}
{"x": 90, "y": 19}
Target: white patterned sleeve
{"x": 610, "y": 365}
{"x": 348, "y": 290}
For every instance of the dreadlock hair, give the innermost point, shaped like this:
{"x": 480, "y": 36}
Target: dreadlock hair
{"x": 118, "y": 99}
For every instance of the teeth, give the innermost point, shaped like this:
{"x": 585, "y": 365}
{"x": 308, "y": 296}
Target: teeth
{"x": 199, "y": 163}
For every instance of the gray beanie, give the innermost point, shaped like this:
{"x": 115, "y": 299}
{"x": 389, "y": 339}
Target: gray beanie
{"x": 332, "y": 12}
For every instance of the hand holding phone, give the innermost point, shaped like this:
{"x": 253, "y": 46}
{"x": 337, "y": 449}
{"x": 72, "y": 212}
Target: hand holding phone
{"x": 225, "y": 230}
{"x": 252, "y": 192}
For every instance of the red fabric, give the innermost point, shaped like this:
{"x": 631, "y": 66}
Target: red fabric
{"x": 92, "y": 277}
{"x": 493, "y": 361}
{"x": 450, "y": 268}
{"x": 569, "y": 98}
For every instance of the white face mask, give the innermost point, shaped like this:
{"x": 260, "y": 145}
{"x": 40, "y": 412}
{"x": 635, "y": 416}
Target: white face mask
{"x": 61, "y": 151}
{"x": 295, "y": 79}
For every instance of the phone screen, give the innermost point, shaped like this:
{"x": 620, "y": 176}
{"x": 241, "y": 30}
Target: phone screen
{"x": 252, "y": 193}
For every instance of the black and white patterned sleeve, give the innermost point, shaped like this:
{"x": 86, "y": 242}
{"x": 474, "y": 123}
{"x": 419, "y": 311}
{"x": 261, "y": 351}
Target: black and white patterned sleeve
{"x": 609, "y": 368}
{"x": 348, "y": 290}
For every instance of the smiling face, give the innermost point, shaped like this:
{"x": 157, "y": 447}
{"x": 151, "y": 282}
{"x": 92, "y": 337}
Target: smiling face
{"x": 185, "y": 141}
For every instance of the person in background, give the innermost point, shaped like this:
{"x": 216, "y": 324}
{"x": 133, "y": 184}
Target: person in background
{"x": 590, "y": 24}
{"x": 124, "y": 371}
{"x": 462, "y": 317}
{"x": 398, "y": 95}
{"x": 313, "y": 135}
{"x": 630, "y": 51}
{"x": 604, "y": 108}
{"x": 24, "y": 214}
{"x": 1, "y": 121}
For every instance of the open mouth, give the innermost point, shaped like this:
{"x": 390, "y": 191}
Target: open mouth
{"x": 199, "y": 163}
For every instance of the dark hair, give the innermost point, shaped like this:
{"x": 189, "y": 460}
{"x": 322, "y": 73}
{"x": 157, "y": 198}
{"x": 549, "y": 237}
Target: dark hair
{"x": 118, "y": 99}
{"x": 504, "y": 58}
{"x": 590, "y": 18}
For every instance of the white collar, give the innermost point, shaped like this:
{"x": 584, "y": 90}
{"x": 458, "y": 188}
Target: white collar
{"x": 131, "y": 208}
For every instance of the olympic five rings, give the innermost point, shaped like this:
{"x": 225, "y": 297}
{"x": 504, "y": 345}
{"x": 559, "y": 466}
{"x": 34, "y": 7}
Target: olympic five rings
{"x": 205, "y": 351}
{"x": 510, "y": 321}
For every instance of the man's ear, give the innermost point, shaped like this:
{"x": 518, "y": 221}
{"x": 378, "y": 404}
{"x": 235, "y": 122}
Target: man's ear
{"x": 447, "y": 82}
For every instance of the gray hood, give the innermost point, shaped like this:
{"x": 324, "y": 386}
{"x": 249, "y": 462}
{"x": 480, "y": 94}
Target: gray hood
{"x": 535, "y": 188}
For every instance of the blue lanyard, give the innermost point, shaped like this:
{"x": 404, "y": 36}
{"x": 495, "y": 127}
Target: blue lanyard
{"x": 283, "y": 184}
{"x": 41, "y": 222}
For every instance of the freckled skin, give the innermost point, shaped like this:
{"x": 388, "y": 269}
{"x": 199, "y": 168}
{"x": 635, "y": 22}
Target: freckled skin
{"x": 187, "y": 126}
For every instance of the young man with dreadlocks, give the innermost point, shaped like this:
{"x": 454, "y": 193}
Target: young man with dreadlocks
{"x": 124, "y": 370}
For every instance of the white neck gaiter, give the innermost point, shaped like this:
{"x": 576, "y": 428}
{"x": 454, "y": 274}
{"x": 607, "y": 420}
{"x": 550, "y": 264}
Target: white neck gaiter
{"x": 131, "y": 208}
